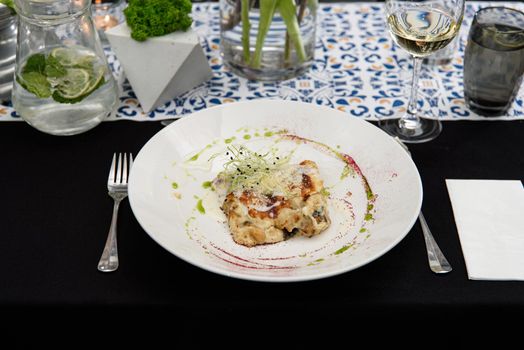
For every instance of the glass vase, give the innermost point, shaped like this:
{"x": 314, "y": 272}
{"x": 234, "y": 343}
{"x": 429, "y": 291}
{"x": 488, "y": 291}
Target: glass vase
{"x": 268, "y": 40}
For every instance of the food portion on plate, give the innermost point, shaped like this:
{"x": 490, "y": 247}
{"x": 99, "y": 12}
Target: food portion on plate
{"x": 268, "y": 200}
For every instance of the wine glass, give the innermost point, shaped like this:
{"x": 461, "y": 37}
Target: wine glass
{"x": 420, "y": 27}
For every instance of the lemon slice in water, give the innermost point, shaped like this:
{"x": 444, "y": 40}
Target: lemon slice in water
{"x": 77, "y": 84}
{"x": 83, "y": 74}
{"x": 67, "y": 57}
{"x": 96, "y": 78}
{"x": 74, "y": 84}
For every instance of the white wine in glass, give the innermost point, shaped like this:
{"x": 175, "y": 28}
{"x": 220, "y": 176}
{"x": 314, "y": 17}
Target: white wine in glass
{"x": 421, "y": 28}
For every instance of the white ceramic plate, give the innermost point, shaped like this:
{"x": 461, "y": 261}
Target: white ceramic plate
{"x": 168, "y": 194}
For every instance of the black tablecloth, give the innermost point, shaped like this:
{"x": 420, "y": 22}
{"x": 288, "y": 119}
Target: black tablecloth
{"x": 55, "y": 216}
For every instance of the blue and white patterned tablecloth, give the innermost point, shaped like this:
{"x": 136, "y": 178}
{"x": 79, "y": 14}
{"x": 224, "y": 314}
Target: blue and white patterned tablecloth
{"x": 358, "y": 70}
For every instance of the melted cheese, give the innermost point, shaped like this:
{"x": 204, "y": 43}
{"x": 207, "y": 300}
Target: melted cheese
{"x": 285, "y": 203}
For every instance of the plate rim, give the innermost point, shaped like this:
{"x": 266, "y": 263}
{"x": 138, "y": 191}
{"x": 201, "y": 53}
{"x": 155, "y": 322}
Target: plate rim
{"x": 261, "y": 278}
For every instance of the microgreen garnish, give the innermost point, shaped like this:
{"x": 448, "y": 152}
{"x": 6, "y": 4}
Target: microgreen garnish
{"x": 246, "y": 169}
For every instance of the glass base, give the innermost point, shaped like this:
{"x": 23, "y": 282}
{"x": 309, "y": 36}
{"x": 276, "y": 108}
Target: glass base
{"x": 271, "y": 74}
{"x": 487, "y": 108}
{"x": 412, "y": 131}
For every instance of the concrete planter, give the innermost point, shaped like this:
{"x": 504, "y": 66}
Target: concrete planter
{"x": 160, "y": 68}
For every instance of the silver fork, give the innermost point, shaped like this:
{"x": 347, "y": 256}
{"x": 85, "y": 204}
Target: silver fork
{"x": 117, "y": 189}
{"x": 437, "y": 261}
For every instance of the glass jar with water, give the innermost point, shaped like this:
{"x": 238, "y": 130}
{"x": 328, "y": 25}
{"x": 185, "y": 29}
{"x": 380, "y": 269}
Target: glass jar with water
{"x": 63, "y": 84}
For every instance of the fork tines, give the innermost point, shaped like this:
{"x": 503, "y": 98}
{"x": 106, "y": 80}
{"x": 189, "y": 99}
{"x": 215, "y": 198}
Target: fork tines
{"x": 120, "y": 167}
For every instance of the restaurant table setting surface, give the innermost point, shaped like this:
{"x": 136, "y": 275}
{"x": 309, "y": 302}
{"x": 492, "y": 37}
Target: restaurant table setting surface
{"x": 56, "y": 210}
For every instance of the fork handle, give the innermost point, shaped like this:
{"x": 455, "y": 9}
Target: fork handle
{"x": 109, "y": 259}
{"x": 437, "y": 261}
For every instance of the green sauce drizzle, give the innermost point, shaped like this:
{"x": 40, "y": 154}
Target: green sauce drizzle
{"x": 174, "y": 185}
{"x": 343, "y": 249}
{"x": 195, "y": 157}
{"x": 345, "y": 172}
{"x": 316, "y": 262}
{"x": 200, "y": 207}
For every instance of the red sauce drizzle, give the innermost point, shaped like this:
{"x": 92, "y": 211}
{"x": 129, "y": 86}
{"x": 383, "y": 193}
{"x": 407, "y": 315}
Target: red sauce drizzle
{"x": 258, "y": 266}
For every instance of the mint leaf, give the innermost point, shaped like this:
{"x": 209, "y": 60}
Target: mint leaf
{"x": 35, "y": 63}
{"x": 53, "y": 68}
{"x": 35, "y": 83}
{"x": 9, "y": 3}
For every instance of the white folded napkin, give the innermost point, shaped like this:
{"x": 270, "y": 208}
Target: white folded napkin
{"x": 489, "y": 215}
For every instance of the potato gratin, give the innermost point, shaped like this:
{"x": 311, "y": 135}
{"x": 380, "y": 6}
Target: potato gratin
{"x": 266, "y": 200}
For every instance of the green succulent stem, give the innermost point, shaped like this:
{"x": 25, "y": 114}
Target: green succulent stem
{"x": 267, "y": 10}
{"x": 246, "y": 27}
{"x": 288, "y": 11}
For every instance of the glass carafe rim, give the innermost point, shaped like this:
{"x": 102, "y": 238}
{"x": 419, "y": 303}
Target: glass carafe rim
{"x": 59, "y": 16}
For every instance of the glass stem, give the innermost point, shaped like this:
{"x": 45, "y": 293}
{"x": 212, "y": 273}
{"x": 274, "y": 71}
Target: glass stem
{"x": 410, "y": 120}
